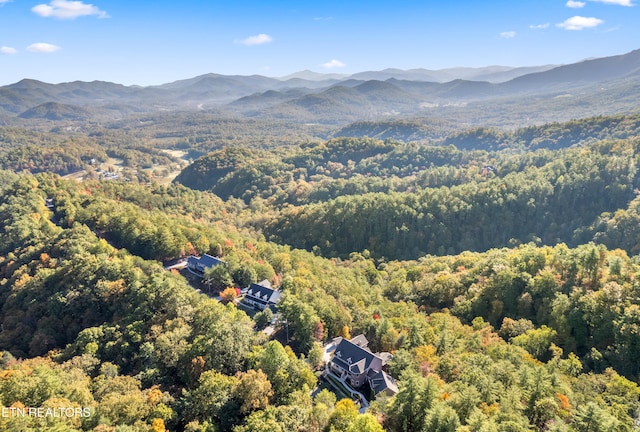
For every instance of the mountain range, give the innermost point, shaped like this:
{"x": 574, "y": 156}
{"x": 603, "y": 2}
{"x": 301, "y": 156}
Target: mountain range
{"x": 494, "y": 74}
{"x": 532, "y": 93}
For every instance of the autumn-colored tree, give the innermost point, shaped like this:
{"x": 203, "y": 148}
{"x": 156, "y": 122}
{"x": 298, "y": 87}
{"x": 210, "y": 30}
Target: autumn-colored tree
{"x": 318, "y": 331}
{"x": 253, "y": 391}
{"x": 344, "y": 415}
{"x": 228, "y": 295}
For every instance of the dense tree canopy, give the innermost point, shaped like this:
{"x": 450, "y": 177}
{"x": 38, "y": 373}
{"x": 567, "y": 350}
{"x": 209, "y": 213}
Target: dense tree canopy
{"x": 515, "y": 306}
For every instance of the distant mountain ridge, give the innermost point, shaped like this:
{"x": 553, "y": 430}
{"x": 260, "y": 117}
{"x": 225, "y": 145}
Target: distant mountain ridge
{"x": 587, "y": 71}
{"x": 314, "y": 76}
{"x": 335, "y": 98}
{"x": 493, "y": 74}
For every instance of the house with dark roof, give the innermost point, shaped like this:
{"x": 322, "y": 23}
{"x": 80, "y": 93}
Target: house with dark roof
{"x": 382, "y": 382}
{"x": 356, "y": 365}
{"x": 261, "y": 295}
{"x": 198, "y": 265}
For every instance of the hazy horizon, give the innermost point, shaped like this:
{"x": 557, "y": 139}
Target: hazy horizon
{"x": 147, "y": 43}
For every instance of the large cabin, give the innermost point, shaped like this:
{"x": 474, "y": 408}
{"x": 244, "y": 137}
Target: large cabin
{"x": 199, "y": 265}
{"x": 353, "y": 362}
{"x": 261, "y": 296}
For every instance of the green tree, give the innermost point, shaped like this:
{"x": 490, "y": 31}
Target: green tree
{"x": 209, "y": 399}
{"x": 285, "y": 372}
{"x": 442, "y": 418}
{"x": 263, "y": 318}
{"x": 592, "y": 418}
{"x": 410, "y": 406}
{"x": 301, "y": 319}
{"x": 536, "y": 341}
{"x": 218, "y": 276}
{"x": 315, "y": 356}
{"x": 244, "y": 275}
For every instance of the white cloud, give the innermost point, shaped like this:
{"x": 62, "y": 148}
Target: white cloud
{"x": 43, "y": 47}
{"x": 257, "y": 39}
{"x": 575, "y": 4}
{"x": 4, "y": 1}
{"x": 333, "y": 64}
{"x": 580, "y": 23}
{"x": 64, "y": 9}
{"x": 615, "y": 2}
{"x": 7, "y": 50}
{"x": 508, "y": 34}
{"x": 539, "y": 26}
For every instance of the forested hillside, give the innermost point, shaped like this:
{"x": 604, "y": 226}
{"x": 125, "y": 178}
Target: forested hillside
{"x": 556, "y": 202}
{"x": 547, "y": 184}
{"x": 498, "y": 268}
{"x": 550, "y": 136}
{"x": 550, "y": 333}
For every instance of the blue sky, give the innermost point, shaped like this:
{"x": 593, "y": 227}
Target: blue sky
{"x": 147, "y": 43}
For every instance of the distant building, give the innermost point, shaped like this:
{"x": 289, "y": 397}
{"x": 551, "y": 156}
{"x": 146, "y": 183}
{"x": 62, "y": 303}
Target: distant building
{"x": 261, "y": 295}
{"x": 198, "y": 265}
{"x": 354, "y": 363}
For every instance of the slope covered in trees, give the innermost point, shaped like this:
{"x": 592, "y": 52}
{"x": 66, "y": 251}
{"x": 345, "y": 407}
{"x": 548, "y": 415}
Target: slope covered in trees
{"x": 515, "y": 306}
{"x": 549, "y": 184}
{"x": 135, "y": 344}
{"x": 550, "y": 136}
{"x": 554, "y": 202}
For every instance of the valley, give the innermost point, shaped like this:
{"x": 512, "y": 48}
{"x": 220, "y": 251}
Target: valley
{"x": 452, "y": 250}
